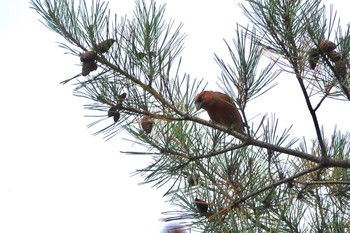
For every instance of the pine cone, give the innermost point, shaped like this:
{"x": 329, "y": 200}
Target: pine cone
{"x": 327, "y": 46}
{"x": 112, "y": 111}
{"x": 88, "y": 56}
{"x": 104, "y": 46}
{"x": 116, "y": 117}
{"x": 340, "y": 69}
{"x": 202, "y": 207}
{"x": 313, "y": 56}
{"x": 334, "y": 56}
{"x": 122, "y": 97}
{"x": 88, "y": 67}
{"x": 147, "y": 124}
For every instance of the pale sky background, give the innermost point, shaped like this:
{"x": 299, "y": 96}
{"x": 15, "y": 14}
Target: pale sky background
{"x": 54, "y": 175}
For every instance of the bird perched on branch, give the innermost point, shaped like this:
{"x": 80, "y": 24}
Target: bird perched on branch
{"x": 221, "y": 109}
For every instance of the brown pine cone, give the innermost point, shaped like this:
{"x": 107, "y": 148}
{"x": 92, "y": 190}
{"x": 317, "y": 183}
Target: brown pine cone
{"x": 327, "y": 46}
{"x": 334, "y": 56}
{"x": 202, "y": 207}
{"x": 104, "y": 46}
{"x": 122, "y": 97}
{"x": 112, "y": 111}
{"x": 147, "y": 124}
{"x": 88, "y": 56}
{"x": 116, "y": 117}
{"x": 340, "y": 69}
{"x": 313, "y": 56}
{"x": 88, "y": 67}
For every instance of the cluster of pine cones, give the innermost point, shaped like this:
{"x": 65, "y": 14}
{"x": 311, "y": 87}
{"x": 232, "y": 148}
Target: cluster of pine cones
{"x": 146, "y": 121}
{"x": 114, "y": 110}
{"x": 328, "y": 47}
{"x": 88, "y": 58}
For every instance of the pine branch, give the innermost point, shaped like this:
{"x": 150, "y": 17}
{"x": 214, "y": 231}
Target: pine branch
{"x": 247, "y": 183}
{"x": 267, "y": 187}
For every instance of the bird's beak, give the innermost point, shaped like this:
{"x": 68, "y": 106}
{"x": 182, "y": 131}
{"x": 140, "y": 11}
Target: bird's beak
{"x": 198, "y": 105}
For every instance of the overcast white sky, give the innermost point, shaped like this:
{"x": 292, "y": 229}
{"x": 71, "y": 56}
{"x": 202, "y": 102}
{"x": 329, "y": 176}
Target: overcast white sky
{"x": 54, "y": 175}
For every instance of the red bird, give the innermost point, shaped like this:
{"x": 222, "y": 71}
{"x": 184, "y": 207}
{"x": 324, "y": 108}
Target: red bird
{"x": 221, "y": 109}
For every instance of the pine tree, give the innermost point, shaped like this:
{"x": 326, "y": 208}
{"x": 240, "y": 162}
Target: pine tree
{"x": 224, "y": 181}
